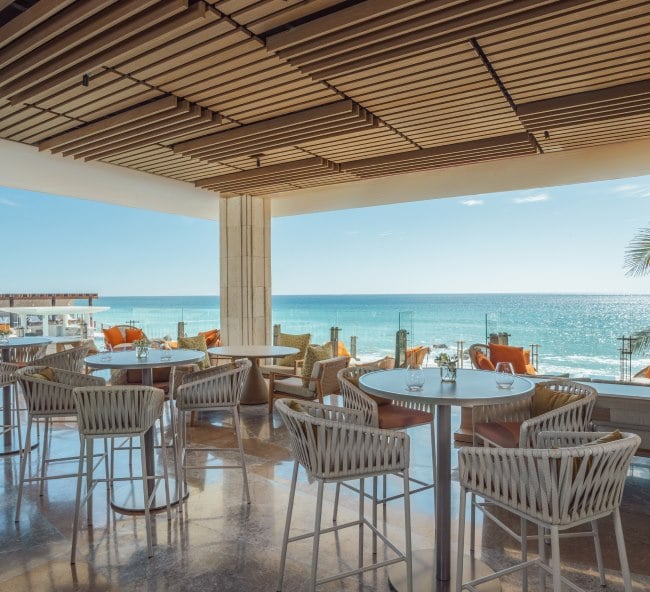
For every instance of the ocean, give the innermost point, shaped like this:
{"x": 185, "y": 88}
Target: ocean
{"x": 576, "y": 333}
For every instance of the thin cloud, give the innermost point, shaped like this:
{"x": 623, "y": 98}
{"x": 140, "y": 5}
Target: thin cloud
{"x": 472, "y": 202}
{"x": 7, "y": 202}
{"x": 631, "y": 190}
{"x": 626, "y": 188}
{"x": 532, "y": 198}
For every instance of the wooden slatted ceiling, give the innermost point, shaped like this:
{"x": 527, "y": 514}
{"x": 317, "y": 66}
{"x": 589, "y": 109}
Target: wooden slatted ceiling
{"x": 601, "y": 46}
{"x": 435, "y": 98}
{"x": 407, "y": 65}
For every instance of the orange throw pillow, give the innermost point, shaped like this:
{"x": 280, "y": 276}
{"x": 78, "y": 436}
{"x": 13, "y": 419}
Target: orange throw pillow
{"x": 113, "y": 336}
{"x": 483, "y": 362}
{"x": 212, "y": 337}
{"x": 133, "y": 335}
{"x": 508, "y": 353}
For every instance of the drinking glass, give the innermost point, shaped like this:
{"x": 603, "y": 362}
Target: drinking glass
{"x": 504, "y": 374}
{"x": 414, "y": 378}
{"x": 106, "y": 354}
{"x": 165, "y": 352}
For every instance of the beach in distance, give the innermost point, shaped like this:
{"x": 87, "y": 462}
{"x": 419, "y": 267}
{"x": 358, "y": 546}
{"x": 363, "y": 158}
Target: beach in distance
{"x": 576, "y": 333}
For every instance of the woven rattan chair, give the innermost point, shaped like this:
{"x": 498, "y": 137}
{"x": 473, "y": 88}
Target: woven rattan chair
{"x": 26, "y": 356}
{"x": 322, "y": 382}
{"x": 8, "y": 380}
{"x": 69, "y": 359}
{"x": 111, "y": 412}
{"x": 215, "y": 389}
{"x": 511, "y": 425}
{"x": 334, "y": 445}
{"x": 385, "y": 414}
{"x": 47, "y": 400}
{"x": 555, "y": 488}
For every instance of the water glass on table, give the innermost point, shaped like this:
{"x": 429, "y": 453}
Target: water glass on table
{"x": 106, "y": 355}
{"x": 504, "y": 374}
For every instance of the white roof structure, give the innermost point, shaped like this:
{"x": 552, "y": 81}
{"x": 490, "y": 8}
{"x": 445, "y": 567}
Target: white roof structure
{"x": 53, "y": 310}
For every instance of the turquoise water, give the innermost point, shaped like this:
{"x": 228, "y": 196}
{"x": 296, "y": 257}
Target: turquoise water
{"x": 576, "y": 333}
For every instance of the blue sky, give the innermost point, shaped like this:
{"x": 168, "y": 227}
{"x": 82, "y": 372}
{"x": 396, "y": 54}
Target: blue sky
{"x": 559, "y": 239}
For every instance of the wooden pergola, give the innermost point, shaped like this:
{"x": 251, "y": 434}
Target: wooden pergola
{"x": 259, "y": 97}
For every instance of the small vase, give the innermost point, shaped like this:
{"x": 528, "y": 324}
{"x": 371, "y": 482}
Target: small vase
{"x": 448, "y": 373}
{"x": 141, "y": 351}
{"x": 414, "y": 378}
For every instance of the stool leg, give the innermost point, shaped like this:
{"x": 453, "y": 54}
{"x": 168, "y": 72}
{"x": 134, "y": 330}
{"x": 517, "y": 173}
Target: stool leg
{"x": 472, "y": 523}
{"x": 18, "y": 422}
{"x": 180, "y": 458}
{"x": 555, "y": 559}
{"x": 336, "y": 502}
{"x": 407, "y": 532}
{"x": 620, "y": 543}
{"x": 317, "y": 521}
{"x": 77, "y": 506}
{"x": 524, "y": 552}
{"x": 163, "y": 449}
{"x": 461, "y": 540}
{"x": 44, "y": 451}
{"x": 287, "y": 525}
{"x": 24, "y": 453}
{"x": 374, "y": 514}
{"x": 145, "y": 493}
{"x": 241, "y": 453}
{"x": 362, "y": 498}
{"x": 107, "y": 472}
{"x": 541, "y": 543}
{"x": 89, "y": 479}
{"x": 599, "y": 554}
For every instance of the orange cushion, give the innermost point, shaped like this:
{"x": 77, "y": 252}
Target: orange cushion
{"x": 113, "y": 336}
{"x": 343, "y": 351}
{"x": 530, "y": 369}
{"x": 508, "y": 353}
{"x": 502, "y": 433}
{"x": 212, "y": 337}
{"x": 483, "y": 362}
{"x": 415, "y": 355}
{"x": 547, "y": 399}
{"x": 396, "y": 417}
{"x": 133, "y": 335}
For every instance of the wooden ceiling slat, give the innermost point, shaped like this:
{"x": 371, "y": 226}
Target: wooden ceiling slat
{"x": 30, "y": 18}
{"x": 135, "y": 35}
{"x": 128, "y": 117}
{"x": 83, "y": 42}
{"x": 269, "y": 109}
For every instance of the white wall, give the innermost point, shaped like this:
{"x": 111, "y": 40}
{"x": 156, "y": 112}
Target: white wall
{"x": 614, "y": 161}
{"x": 24, "y": 167}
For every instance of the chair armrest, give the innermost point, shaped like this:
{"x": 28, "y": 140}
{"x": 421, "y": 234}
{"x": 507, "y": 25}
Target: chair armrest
{"x": 574, "y": 417}
{"x": 566, "y": 439}
{"x": 297, "y": 364}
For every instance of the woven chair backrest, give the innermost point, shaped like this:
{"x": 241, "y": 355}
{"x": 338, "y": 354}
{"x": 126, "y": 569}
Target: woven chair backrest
{"x": 27, "y": 355}
{"x": 220, "y": 386}
{"x": 116, "y": 410}
{"x": 71, "y": 359}
{"x": 333, "y": 443}
{"x": 474, "y": 349}
{"x": 326, "y": 371}
{"x": 52, "y": 397}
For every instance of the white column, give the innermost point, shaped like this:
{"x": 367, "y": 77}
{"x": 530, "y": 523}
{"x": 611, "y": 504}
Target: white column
{"x": 245, "y": 264}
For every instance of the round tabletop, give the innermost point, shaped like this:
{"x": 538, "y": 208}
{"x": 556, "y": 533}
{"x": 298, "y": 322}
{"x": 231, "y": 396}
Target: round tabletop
{"x": 128, "y": 360}
{"x": 472, "y": 387}
{"x": 253, "y": 351}
{"x": 24, "y": 342}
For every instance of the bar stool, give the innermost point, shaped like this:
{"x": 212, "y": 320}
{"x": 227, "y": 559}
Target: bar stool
{"x": 215, "y": 389}
{"x": 112, "y": 412}
{"x": 48, "y": 393}
{"x": 334, "y": 445}
{"x": 8, "y": 380}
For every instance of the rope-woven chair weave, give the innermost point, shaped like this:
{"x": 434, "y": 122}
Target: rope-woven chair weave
{"x": 215, "y": 389}
{"x": 25, "y": 356}
{"x": 8, "y": 379}
{"x": 333, "y": 444}
{"x": 117, "y": 410}
{"x": 556, "y": 488}
{"x": 70, "y": 359}
{"x": 48, "y": 398}
{"x": 355, "y": 398}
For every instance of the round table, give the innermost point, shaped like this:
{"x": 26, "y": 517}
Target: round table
{"x": 432, "y": 569}
{"x": 256, "y": 391}
{"x": 7, "y": 444}
{"x": 127, "y": 360}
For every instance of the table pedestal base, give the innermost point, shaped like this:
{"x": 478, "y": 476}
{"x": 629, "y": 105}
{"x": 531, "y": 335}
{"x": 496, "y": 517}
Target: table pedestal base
{"x": 424, "y": 574}
{"x": 256, "y": 391}
{"x": 127, "y": 497}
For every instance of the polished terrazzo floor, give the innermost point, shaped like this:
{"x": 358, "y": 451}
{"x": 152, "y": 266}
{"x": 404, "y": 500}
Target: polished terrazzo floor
{"x": 222, "y": 544}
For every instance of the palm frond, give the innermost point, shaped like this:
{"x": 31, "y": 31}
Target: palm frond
{"x": 641, "y": 341}
{"x": 637, "y": 256}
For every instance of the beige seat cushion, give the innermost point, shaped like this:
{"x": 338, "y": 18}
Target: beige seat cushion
{"x": 502, "y": 433}
{"x": 293, "y": 386}
{"x": 396, "y": 417}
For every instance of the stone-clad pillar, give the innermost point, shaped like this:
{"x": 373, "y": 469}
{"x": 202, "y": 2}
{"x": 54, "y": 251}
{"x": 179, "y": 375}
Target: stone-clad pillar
{"x": 245, "y": 265}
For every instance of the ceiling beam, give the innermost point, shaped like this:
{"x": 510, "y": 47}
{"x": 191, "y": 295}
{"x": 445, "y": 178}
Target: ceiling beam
{"x": 30, "y": 18}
